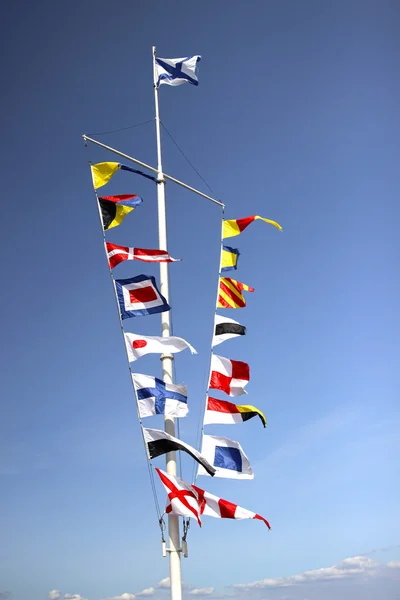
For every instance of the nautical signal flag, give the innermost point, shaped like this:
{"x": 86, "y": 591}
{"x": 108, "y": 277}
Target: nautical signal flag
{"x": 191, "y": 501}
{"x": 230, "y": 293}
{"x": 138, "y": 296}
{"x": 175, "y": 71}
{"x": 226, "y": 329}
{"x": 227, "y": 457}
{"x": 227, "y": 413}
{"x": 114, "y": 209}
{"x": 160, "y": 442}
{"x": 212, "y": 506}
{"x": 102, "y": 173}
{"x": 139, "y": 345}
{"x": 182, "y": 498}
{"x": 229, "y": 376}
{"x": 229, "y": 259}
{"x": 236, "y": 226}
{"x": 155, "y": 397}
{"x": 117, "y": 254}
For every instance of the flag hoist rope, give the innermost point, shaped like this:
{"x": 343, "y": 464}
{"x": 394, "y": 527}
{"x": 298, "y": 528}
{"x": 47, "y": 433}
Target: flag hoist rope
{"x": 159, "y": 515}
{"x": 200, "y": 431}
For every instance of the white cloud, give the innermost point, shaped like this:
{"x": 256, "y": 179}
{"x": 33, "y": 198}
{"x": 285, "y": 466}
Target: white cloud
{"x": 54, "y": 595}
{"x": 73, "y": 597}
{"x": 164, "y": 583}
{"x": 394, "y": 564}
{"x": 146, "y": 592}
{"x": 348, "y": 567}
{"x": 361, "y": 562}
{"x": 124, "y": 596}
{"x": 201, "y": 591}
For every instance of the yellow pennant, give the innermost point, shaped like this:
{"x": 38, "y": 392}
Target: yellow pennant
{"x": 102, "y": 173}
{"x": 236, "y": 226}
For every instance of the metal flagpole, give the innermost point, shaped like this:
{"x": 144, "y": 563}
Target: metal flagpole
{"x": 166, "y": 359}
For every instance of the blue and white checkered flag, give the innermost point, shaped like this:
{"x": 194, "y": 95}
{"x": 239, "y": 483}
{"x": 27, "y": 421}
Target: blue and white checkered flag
{"x": 175, "y": 71}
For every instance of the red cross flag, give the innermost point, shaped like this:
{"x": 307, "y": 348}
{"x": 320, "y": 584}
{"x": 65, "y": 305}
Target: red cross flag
{"x": 182, "y": 499}
{"x": 190, "y": 501}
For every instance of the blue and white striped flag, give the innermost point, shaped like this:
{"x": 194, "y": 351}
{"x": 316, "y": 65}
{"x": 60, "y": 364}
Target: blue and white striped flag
{"x": 175, "y": 71}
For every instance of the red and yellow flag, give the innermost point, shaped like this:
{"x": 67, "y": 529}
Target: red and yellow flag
{"x": 230, "y": 293}
{"x": 236, "y": 226}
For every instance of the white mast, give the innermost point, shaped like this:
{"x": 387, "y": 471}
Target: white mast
{"x": 166, "y": 359}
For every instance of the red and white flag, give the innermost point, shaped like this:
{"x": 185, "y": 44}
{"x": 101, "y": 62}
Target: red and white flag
{"x": 182, "y": 498}
{"x": 212, "y": 506}
{"x": 139, "y": 345}
{"x": 229, "y": 376}
{"x": 221, "y": 411}
{"x": 117, "y": 254}
{"x": 190, "y": 501}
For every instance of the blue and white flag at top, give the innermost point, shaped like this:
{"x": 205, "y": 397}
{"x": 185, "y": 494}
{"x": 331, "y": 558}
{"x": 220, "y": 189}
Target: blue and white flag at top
{"x": 139, "y": 296}
{"x": 175, "y": 71}
{"x": 227, "y": 457}
{"x": 158, "y": 398}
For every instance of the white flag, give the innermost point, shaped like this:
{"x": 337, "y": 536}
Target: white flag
{"x": 227, "y": 457}
{"x": 139, "y": 345}
{"x": 160, "y": 442}
{"x": 175, "y": 71}
{"x": 225, "y": 329}
{"x": 155, "y": 397}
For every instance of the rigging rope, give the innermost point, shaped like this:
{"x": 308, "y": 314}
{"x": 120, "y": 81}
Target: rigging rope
{"x": 186, "y": 158}
{"x": 179, "y": 459}
{"x": 149, "y": 464}
{"x": 199, "y": 432}
{"x": 200, "y": 429}
{"x": 122, "y": 128}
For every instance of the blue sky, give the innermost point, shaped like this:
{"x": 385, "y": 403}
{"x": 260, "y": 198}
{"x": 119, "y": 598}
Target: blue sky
{"x": 296, "y": 118}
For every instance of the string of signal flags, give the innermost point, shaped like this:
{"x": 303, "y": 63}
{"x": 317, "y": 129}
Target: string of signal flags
{"x": 139, "y": 296}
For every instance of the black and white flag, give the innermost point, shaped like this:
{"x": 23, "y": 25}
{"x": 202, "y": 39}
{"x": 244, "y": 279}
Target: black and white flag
{"x": 160, "y": 442}
{"x": 225, "y": 329}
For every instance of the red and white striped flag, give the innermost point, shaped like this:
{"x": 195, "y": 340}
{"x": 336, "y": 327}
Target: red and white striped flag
{"x": 117, "y": 254}
{"x": 230, "y": 376}
{"x": 212, "y": 506}
{"x": 190, "y": 501}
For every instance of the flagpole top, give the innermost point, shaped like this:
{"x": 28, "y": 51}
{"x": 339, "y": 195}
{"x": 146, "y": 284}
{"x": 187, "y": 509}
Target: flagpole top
{"x": 153, "y": 50}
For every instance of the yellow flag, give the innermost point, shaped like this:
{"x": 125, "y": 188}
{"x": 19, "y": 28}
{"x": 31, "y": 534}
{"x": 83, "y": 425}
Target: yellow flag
{"x": 236, "y": 226}
{"x": 102, "y": 173}
{"x": 230, "y": 293}
{"x": 248, "y": 411}
{"x": 229, "y": 259}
